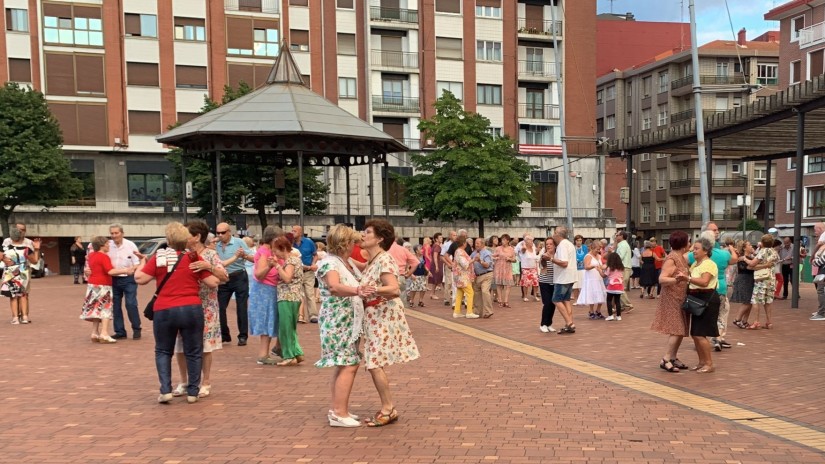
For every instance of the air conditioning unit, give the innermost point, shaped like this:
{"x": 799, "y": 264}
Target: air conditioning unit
{"x": 544, "y": 177}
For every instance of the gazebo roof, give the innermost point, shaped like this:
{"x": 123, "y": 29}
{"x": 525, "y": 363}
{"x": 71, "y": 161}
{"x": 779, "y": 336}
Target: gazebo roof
{"x": 283, "y": 117}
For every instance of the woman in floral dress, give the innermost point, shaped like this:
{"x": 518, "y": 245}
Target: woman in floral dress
{"x": 290, "y": 272}
{"x": 97, "y": 306}
{"x": 209, "y": 298}
{"x": 340, "y": 320}
{"x": 503, "y": 256}
{"x": 388, "y": 337}
{"x": 763, "y": 290}
{"x": 669, "y": 319}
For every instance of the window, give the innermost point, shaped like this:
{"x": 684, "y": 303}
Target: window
{"x": 661, "y": 179}
{"x": 535, "y": 61}
{"x": 448, "y": 48}
{"x": 190, "y": 77}
{"x": 735, "y": 168}
{"x": 298, "y": 40}
{"x": 737, "y": 67}
{"x": 530, "y": 134}
{"x": 600, "y": 125}
{"x": 610, "y": 122}
{"x": 144, "y": 122}
{"x": 535, "y": 104}
{"x": 816, "y": 63}
{"x": 488, "y": 51}
{"x": 545, "y": 189}
{"x": 265, "y": 42}
{"x": 141, "y": 25}
{"x": 644, "y": 181}
{"x": 791, "y": 200}
{"x": 192, "y": 29}
{"x": 448, "y": 6}
{"x": 661, "y": 155}
{"x": 721, "y": 68}
{"x": 346, "y": 44}
{"x": 17, "y": 20}
{"x": 662, "y": 115}
{"x": 145, "y": 74}
{"x": 797, "y": 24}
{"x": 252, "y": 37}
{"x": 184, "y": 117}
{"x": 395, "y": 188}
{"x": 792, "y": 163}
{"x": 767, "y": 74}
{"x": 299, "y": 2}
{"x": 489, "y": 94}
{"x": 815, "y": 164}
{"x": 816, "y": 202}
{"x": 68, "y": 24}
{"x": 599, "y": 97}
{"x": 457, "y": 88}
{"x": 737, "y": 102}
{"x": 628, "y": 89}
{"x": 393, "y": 89}
{"x": 75, "y": 75}
{"x": 346, "y": 87}
{"x": 610, "y": 93}
{"x": 488, "y": 8}
{"x": 84, "y": 171}
{"x": 347, "y": 4}
{"x": 646, "y": 119}
{"x": 796, "y": 71}
{"x": 495, "y": 132}
{"x": 759, "y": 175}
{"x": 661, "y": 212}
{"x": 645, "y": 213}
{"x": 687, "y": 69}
{"x": 254, "y": 75}
{"x": 664, "y": 82}
{"x": 646, "y": 84}
{"x": 93, "y": 130}
{"x": 645, "y": 156}
{"x": 20, "y": 70}
{"x": 150, "y": 189}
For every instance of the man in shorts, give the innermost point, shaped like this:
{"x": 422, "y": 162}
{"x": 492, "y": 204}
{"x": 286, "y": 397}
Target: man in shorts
{"x": 564, "y": 276}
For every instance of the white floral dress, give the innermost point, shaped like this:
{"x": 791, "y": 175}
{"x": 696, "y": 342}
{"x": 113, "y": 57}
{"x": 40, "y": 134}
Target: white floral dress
{"x": 388, "y": 337}
{"x": 340, "y": 319}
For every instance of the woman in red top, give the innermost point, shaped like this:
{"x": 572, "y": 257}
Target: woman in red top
{"x": 97, "y": 307}
{"x": 178, "y": 308}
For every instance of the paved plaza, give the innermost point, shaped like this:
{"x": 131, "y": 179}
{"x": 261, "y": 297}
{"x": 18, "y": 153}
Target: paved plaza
{"x": 488, "y": 390}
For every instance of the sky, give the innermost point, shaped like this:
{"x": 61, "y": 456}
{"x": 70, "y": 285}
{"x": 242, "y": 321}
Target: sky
{"x": 712, "y": 21}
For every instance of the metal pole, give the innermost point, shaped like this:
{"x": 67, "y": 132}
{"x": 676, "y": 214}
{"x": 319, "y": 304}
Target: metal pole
{"x": 629, "y": 193}
{"x": 183, "y": 205}
{"x": 372, "y": 191}
{"x": 766, "y": 213}
{"x": 797, "y": 214}
{"x": 704, "y": 194}
{"x": 349, "y": 214}
{"x": 214, "y": 203}
{"x": 386, "y": 181}
{"x": 559, "y": 83}
{"x": 219, "y": 205}
{"x": 709, "y": 164}
{"x": 744, "y": 209}
{"x": 301, "y": 188}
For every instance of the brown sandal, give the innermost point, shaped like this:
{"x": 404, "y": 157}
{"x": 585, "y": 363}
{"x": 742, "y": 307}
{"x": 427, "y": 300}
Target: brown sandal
{"x": 382, "y": 419}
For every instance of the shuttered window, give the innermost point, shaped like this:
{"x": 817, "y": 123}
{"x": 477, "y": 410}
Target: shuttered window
{"x": 299, "y": 40}
{"x": 145, "y": 74}
{"x": 253, "y": 75}
{"x": 448, "y": 48}
{"x": 141, "y": 25}
{"x": 144, "y": 122}
{"x": 448, "y": 6}
{"x": 95, "y": 128}
{"x": 90, "y": 74}
{"x": 816, "y": 63}
{"x": 68, "y": 74}
{"x": 345, "y": 4}
{"x": 183, "y": 118}
{"x": 20, "y": 70}
{"x": 190, "y": 77}
{"x": 299, "y": 2}
{"x": 346, "y": 44}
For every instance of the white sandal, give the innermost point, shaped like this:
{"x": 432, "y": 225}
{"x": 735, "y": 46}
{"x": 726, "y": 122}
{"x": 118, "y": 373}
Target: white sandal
{"x": 336, "y": 421}
{"x": 15, "y": 321}
{"x": 180, "y": 390}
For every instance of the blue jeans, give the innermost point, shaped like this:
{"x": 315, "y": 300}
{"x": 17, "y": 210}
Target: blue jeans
{"x": 125, "y": 286}
{"x": 188, "y": 320}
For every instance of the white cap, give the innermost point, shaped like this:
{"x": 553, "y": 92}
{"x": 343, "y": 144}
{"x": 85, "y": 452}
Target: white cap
{"x": 773, "y": 231}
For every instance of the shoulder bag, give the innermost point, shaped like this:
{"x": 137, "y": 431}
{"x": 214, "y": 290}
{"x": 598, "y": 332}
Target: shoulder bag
{"x": 149, "y": 310}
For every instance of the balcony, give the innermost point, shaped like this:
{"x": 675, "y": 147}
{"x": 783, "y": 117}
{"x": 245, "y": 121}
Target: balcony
{"x": 732, "y": 182}
{"x": 539, "y": 28}
{"x": 684, "y": 85}
{"x": 684, "y": 183}
{"x": 812, "y": 35}
{"x": 392, "y": 104}
{"x": 412, "y": 144}
{"x": 395, "y": 60}
{"x": 257, "y": 6}
{"x": 578, "y": 213}
{"x": 682, "y": 116}
{"x": 400, "y": 16}
{"x": 727, "y": 216}
{"x": 530, "y": 111}
{"x": 685, "y": 217}
{"x": 528, "y": 69}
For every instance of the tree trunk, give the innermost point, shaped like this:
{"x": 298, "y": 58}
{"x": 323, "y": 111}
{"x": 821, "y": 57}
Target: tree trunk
{"x": 262, "y": 217}
{"x": 481, "y": 228}
{"x": 5, "y": 215}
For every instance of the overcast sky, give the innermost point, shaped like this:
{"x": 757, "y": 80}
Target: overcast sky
{"x": 711, "y": 15}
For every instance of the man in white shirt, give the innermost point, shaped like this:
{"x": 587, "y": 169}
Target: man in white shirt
{"x": 623, "y": 250}
{"x": 564, "y": 275}
{"x": 122, "y": 252}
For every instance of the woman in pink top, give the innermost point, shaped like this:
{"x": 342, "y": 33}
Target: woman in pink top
{"x": 263, "y": 296}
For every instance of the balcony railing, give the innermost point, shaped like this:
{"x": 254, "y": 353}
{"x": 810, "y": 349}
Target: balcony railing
{"x": 682, "y": 116}
{"x": 733, "y": 182}
{"x": 812, "y": 35}
{"x": 412, "y": 144}
{"x": 391, "y": 104}
{"x": 681, "y": 82}
{"x": 536, "y": 68}
{"x": 539, "y": 27}
{"x": 259, "y": 6}
{"x": 402, "y": 15}
{"x": 727, "y": 216}
{"x": 685, "y": 217}
{"x": 391, "y": 59}
{"x": 529, "y": 111}
{"x": 578, "y": 213}
{"x": 683, "y": 183}
{"x": 707, "y": 79}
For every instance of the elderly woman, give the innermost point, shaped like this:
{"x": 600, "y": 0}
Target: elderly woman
{"x": 340, "y": 320}
{"x": 290, "y": 270}
{"x": 647, "y": 279}
{"x": 763, "y": 290}
{"x": 503, "y": 256}
{"x": 702, "y": 282}
{"x": 212, "y": 339}
{"x": 97, "y": 306}
{"x": 263, "y": 296}
{"x": 669, "y": 319}
{"x": 78, "y": 254}
{"x": 463, "y": 278}
{"x": 18, "y": 254}
{"x": 743, "y": 283}
{"x": 177, "y": 309}
{"x": 388, "y": 337}
{"x": 528, "y": 257}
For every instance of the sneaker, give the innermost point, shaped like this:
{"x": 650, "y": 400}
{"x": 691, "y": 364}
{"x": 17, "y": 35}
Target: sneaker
{"x": 817, "y": 317}
{"x": 544, "y": 329}
{"x": 618, "y": 318}
{"x": 267, "y": 361}
{"x": 609, "y": 318}
{"x": 180, "y": 390}
{"x": 191, "y": 399}
{"x": 472, "y": 316}
{"x": 136, "y": 335}
{"x": 725, "y": 344}
{"x": 550, "y": 328}
{"x": 457, "y": 315}
{"x": 165, "y": 398}
{"x": 591, "y": 316}
{"x": 335, "y": 421}
{"x": 599, "y": 316}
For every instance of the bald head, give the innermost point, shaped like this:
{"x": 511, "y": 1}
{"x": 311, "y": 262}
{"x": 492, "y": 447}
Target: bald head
{"x": 224, "y": 232}
{"x": 297, "y": 233}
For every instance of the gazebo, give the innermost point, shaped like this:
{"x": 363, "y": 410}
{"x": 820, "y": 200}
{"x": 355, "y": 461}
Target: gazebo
{"x": 283, "y": 124}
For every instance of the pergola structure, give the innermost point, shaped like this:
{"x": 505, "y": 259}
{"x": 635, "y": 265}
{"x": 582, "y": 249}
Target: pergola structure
{"x": 790, "y": 123}
{"x": 282, "y": 124}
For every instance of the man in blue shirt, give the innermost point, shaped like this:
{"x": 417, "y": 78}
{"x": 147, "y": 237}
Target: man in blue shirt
{"x": 483, "y": 268}
{"x": 308, "y": 258}
{"x": 233, "y": 252}
{"x": 722, "y": 257}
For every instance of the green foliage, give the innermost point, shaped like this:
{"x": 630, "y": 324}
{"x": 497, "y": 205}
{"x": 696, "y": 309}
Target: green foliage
{"x": 32, "y": 167}
{"x": 471, "y": 175}
{"x": 254, "y": 184}
{"x": 752, "y": 224}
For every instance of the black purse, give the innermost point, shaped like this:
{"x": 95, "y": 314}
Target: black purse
{"x": 694, "y": 305}
{"x": 149, "y": 310}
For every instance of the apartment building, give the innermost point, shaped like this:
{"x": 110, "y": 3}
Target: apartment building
{"x": 658, "y": 94}
{"x": 118, "y": 72}
{"x": 801, "y": 49}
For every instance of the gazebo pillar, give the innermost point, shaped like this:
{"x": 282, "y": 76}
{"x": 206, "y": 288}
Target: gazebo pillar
{"x": 766, "y": 213}
{"x": 372, "y": 190}
{"x": 301, "y": 188}
{"x": 386, "y": 180}
{"x": 797, "y": 214}
{"x": 183, "y": 206}
{"x": 218, "y": 204}
{"x": 346, "y": 179}
{"x": 214, "y": 202}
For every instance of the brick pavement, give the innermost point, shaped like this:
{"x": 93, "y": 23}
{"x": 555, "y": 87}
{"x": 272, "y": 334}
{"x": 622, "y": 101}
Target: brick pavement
{"x": 466, "y": 400}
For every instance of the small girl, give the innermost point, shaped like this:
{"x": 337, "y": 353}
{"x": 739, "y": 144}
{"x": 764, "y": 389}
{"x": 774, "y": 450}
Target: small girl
{"x": 615, "y": 286}
{"x": 418, "y": 283}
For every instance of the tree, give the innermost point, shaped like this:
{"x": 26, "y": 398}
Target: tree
{"x": 32, "y": 167}
{"x": 248, "y": 185}
{"x": 471, "y": 175}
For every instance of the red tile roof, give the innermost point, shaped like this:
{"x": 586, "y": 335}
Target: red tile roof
{"x": 777, "y": 13}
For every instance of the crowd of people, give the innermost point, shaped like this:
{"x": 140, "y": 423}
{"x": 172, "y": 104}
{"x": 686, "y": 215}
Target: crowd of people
{"x": 357, "y": 285}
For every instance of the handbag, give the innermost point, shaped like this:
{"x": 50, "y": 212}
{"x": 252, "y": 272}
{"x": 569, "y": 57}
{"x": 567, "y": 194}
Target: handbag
{"x": 149, "y": 310}
{"x": 762, "y": 274}
{"x": 694, "y": 305}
